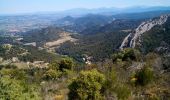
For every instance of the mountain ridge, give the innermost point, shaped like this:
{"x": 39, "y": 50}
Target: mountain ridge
{"x": 134, "y": 38}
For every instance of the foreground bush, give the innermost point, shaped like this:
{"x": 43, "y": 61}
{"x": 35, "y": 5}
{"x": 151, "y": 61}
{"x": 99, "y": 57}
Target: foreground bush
{"x": 12, "y": 89}
{"x": 115, "y": 89}
{"x": 87, "y": 86}
{"x": 144, "y": 76}
{"x": 51, "y": 74}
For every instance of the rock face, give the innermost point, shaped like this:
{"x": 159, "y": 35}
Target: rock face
{"x": 133, "y": 38}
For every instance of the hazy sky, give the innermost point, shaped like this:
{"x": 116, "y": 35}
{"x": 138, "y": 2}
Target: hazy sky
{"x": 26, "y": 6}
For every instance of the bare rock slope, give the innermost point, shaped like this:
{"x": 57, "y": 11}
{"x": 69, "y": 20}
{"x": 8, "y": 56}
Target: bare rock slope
{"x": 133, "y": 39}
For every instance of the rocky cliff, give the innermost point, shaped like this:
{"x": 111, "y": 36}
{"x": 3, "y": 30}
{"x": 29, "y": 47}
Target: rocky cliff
{"x": 133, "y": 39}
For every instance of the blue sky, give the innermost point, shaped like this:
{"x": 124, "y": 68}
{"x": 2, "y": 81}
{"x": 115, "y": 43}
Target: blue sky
{"x": 27, "y": 6}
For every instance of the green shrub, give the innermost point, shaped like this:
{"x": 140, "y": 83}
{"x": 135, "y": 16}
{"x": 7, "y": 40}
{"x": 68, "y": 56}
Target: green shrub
{"x": 12, "y": 89}
{"x": 51, "y": 74}
{"x": 87, "y": 86}
{"x": 144, "y": 76}
{"x": 54, "y": 65}
{"x": 66, "y": 63}
{"x": 14, "y": 73}
{"x": 110, "y": 79}
{"x": 113, "y": 87}
{"x": 127, "y": 54}
{"x": 122, "y": 91}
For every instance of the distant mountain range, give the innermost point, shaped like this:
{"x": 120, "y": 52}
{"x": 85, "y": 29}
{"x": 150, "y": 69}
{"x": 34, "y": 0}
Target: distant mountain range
{"x": 104, "y": 11}
{"x": 113, "y": 11}
{"x": 76, "y": 17}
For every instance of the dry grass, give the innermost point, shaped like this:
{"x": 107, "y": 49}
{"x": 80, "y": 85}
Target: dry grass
{"x": 64, "y": 37}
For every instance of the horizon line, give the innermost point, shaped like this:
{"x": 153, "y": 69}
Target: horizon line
{"x": 61, "y": 11}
